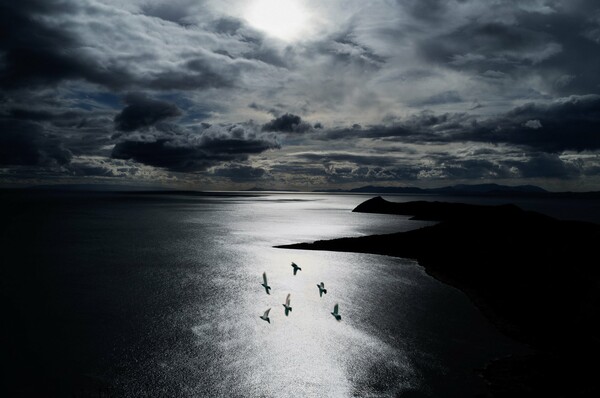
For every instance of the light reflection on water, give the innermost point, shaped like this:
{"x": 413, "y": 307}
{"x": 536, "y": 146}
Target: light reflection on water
{"x": 373, "y": 351}
{"x": 161, "y": 296}
{"x": 308, "y": 352}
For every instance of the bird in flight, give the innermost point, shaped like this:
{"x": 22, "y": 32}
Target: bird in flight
{"x": 265, "y": 316}
{"x": 322, "y": 289}
{"x": 335, "y": 314}
{"x": 265, "y": 284}
{"x": 288, "y": 309}
{"x": 296, "y": 267}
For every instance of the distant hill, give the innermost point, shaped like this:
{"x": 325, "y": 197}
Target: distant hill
{"x": 490, "y": 188}
{"x": 438, "y": 211}
{"x": 93, "y": 187}
{"x": 461, "y": 189}
{"x": 376, "y": 189}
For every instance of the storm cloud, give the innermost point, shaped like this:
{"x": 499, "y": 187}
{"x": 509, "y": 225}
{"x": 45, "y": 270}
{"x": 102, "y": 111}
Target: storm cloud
{"x": 571, "y": 123}
{"x": 142, "y": 111}
{"x": 192, "y": 151}
{"x": 26, "y": 144}
{"x": 287, "y": 123}
{"x": 420, "y": 92}
{"x": 38, "y": 51}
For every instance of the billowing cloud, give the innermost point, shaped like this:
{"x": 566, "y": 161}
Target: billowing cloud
{"x": 191, "y": 151}
{"x": 142, "y": 111}
{"x": 491, "y": 45}
{"x": 103, "y": 167}
{"x": 400, "y": 91}
{"x": 474, "y": 164}
{"x": 39, "y": 51}
{"x": 26, "y": 144}
{"x": 533, "y": 124}
{"x": 571, "y": 123}
{"x": 287, "y": 123}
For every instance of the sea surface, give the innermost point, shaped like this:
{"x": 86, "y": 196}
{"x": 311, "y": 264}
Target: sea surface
{"x": 156, "y": 295}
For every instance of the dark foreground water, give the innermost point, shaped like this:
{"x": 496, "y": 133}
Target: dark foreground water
{"x": 107, "y": 294}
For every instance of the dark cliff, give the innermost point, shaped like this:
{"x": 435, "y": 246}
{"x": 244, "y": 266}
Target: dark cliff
{"x": 535, "y": 277}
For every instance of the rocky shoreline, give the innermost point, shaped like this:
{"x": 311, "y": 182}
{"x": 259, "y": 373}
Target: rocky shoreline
{"x": 534, "y": 277}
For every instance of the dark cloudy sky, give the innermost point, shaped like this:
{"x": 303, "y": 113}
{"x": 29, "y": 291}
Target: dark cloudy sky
{"x": 306, "y": 94}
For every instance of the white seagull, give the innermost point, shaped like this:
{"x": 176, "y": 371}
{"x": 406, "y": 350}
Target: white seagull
{"x": 288, "y": 309}
{"x": 265, "y": 284}
{"x": 296, "y": 268}
{"x": 335, "y": 314}
{"x": 322, "y": 289}
{"x": 265, "y": 316}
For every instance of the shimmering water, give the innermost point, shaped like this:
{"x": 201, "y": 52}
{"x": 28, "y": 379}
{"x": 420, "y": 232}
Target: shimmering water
{"x": 159, "y": 295}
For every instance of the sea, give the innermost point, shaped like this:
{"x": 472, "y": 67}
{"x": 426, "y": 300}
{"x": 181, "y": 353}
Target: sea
{"x": 124, "y": 294}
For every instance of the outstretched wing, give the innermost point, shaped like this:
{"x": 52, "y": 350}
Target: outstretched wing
{"x": 294, "y": 264}
{"x": 265, "y": 278}
{"x": 335, "y": 309}
{"x": 287, "y": 299}
{"x": 267, "y": 313}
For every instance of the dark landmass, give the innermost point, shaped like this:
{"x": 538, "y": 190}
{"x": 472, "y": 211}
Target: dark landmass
{"x": 89, "y": 188}
{"x": 126, "y": 190}
{"x": 535, "y": 277}
{"x": 460, "y": 189}
{"x": 485, "y": 190}
{"x": 477, "y": 190}
{"x": 438, "y": 211}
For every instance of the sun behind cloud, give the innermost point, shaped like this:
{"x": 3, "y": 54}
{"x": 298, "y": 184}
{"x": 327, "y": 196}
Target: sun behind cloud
{"x": 283, "y": 19}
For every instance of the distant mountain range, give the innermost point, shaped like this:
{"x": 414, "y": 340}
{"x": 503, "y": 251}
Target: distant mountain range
{"x": 454, "y": 190}
{"x": 450, "y": 190}
{"x": 94, "y": 188}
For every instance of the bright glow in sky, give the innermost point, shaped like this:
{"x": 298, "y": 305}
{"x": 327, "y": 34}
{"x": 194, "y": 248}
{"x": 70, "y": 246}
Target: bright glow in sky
{"x": 284, "y": 19}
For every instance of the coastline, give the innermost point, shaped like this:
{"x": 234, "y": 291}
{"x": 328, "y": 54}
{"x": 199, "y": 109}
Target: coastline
{"x": 531, "y": 275}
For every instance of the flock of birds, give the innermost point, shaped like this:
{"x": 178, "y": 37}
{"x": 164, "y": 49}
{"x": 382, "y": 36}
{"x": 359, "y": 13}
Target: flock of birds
{"x": 287, "y": 307}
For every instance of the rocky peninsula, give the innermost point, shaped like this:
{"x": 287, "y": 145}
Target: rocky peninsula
{"x": 535, "y": 277}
